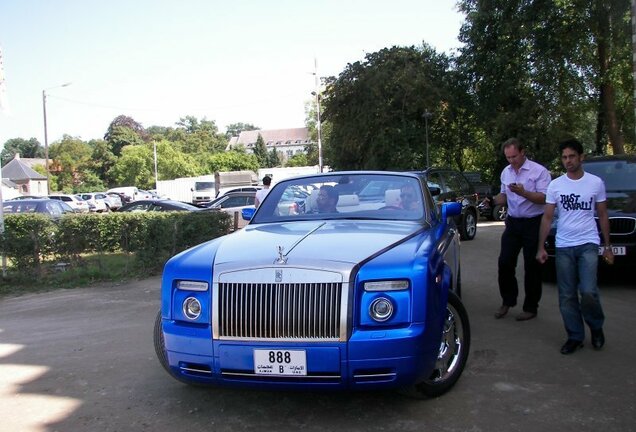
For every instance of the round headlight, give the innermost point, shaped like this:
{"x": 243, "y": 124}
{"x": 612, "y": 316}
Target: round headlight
{"x": 192, "y": 308}
{"x": 381, "y": 309}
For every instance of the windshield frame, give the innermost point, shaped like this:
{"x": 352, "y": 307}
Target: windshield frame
{"x": 355, "y": 207}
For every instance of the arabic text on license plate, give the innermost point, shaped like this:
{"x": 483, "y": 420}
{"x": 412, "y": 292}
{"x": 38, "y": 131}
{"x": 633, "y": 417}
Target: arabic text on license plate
{"x": 280, "y": 362}
{"x": 616, "y": 250}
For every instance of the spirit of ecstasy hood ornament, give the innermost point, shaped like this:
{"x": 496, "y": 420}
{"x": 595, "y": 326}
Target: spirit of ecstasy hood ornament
{"x": 282, "y": 259}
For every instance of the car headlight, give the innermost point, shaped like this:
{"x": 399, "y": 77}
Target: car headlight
{"x": 388, "y": 285}
{"x": 192, "y": 285}
{"x": 191, "y": 308}
{"x": 381, "y": 309}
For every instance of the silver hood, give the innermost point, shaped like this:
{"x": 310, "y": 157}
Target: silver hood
{"x": 310, "y": 243}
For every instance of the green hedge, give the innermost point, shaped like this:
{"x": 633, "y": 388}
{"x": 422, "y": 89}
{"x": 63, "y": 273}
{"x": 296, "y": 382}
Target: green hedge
{"x": 31, "y": 240}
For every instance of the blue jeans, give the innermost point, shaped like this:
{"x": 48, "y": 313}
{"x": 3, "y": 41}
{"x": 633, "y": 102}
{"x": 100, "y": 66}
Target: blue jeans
{"x": 576, "y": 273}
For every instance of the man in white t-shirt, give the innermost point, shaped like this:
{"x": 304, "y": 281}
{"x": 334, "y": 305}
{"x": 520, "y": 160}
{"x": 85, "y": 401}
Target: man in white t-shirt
{"x": 262, "y": 193}
{"x": 575, "y": 195}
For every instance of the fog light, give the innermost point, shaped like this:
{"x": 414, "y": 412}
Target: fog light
{"x": 381, "y": 309}
{"x": 192, "y": 308}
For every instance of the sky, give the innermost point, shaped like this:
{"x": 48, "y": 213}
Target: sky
{"x": 250, "y": 61}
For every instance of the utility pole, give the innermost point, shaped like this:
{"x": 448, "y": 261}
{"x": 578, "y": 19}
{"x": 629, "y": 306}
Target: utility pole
{"x": 633, "y": 8}
{"x": 317, "y": 92}
{"x": 427, "y": 115}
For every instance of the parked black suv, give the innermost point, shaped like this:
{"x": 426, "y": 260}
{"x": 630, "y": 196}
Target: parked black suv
{"x": 618, "y": 173}
{"x": 453, "y": 186}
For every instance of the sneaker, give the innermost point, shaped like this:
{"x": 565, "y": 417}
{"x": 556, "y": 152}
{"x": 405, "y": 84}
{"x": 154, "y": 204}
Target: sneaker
{"x": 570, "y": 346}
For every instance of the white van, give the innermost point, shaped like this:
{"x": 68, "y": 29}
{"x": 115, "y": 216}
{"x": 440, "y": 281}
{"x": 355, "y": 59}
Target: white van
{"x": 130, "y": 193}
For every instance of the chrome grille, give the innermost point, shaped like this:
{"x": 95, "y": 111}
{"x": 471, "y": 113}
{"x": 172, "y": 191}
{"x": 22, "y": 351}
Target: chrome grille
{"x": 622, "y": 225}
{"x": 279, "y": 311}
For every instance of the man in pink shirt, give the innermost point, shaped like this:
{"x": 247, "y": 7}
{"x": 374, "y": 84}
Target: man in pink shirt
{"x": 523, "y": 187}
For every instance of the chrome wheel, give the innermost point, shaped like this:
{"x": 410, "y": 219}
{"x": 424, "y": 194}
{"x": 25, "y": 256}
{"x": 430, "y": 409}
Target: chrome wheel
{"x": 469, "y": 226}
{"x": 452, "y": 353}
{"x": 450, "y": 348}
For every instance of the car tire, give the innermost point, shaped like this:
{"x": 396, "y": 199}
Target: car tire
{"x": 499, "y": 212}
{"x": 160, "y": 350}
{"x": 469, "y": 226}
{"x": 452, "y": 355}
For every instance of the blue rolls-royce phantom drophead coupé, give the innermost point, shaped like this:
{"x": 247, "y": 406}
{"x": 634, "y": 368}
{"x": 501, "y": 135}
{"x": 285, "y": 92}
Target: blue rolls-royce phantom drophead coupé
{"x": 341, "y": 280}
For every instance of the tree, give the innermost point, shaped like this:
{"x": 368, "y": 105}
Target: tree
{"x": 230, "y": 161}
{"x": 541, "y": 70}
{"x": 101, "y": 161}
{"x": 71, "y": 157}
{"x": 135, "y": 167}
{"x": 30, "y": 148}
{"x": 273, "y": 159}
{"x": 235, "y": 129}
{"x": 298, "y": 160}
{"x": 199, "y": 137}
{"x": 172, "y": 163}
{"x": 311, "y": 123}
{"x": 124, "y": 131}
{"x": 375, "y": 108}
{"x": 260, "y": 151}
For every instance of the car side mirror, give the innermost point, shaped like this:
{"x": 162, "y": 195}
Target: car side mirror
{"x": 450, "y": 209}
{"x": 248, "y": 213}
{"x": 434, "y": 190}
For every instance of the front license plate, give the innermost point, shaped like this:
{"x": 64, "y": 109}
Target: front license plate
{"x": 280, "y": 362}
{"x": 616, "y": 250}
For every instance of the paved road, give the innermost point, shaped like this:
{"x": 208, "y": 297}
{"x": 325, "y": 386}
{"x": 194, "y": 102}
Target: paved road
{"x": 83, "y": 360}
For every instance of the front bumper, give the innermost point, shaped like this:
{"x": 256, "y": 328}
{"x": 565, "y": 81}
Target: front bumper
{"x": 369, "y": 359}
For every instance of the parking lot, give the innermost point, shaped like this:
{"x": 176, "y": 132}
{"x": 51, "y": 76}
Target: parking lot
{"x": 83, "y": 360}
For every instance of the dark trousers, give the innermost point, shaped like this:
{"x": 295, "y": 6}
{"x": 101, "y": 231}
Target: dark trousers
{"x": 520, "y": 233}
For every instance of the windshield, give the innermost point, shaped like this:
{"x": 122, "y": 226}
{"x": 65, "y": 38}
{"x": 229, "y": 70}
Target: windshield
{"x": 350, "y": 196}
{"x": 202, "y": 186}
{"x": 618, "y": 175}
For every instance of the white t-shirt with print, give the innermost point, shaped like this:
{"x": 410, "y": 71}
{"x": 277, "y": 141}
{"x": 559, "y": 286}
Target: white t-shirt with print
{"x": 261, "y": 194}
{"x": 575, "y": 203}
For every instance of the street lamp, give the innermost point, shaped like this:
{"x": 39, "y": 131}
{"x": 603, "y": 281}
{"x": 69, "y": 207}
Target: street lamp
{"x": 46, "y": 138}
{"x": 317, "y": 94}
{"x": 427, "y": 115}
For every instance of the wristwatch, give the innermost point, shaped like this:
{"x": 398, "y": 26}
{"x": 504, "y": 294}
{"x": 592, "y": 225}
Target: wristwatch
{"x": 607, "y": 247}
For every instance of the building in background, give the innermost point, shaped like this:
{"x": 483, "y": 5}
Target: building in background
{"x": 287, "y": 142}
{"x": 27, "y": 180}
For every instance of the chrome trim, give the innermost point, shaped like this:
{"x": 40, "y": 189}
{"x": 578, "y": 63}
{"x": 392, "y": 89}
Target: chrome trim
{"x": 382, "y": 375}
{"x": 263, "y": 281}
{"x": 280, "y": 311}
{"x": 253, "y": 375}
{"x": 209, "y": 372}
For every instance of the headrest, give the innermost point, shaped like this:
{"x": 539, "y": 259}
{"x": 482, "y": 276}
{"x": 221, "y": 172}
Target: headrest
{"x": 348, "y": 200}
{"x": 392, "y": 197}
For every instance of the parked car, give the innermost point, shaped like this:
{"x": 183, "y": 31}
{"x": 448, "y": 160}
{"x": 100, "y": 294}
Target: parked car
{"x": 232, "y": 203}
{"x": 53, "y": 208}
{"x": 127, "y": 193}
{"x": 225, "y": 191}
{"x": 113, "y": 200}
{"x": 157, "y": 205}
{"x": 618, "y": 174}
{"x": 481, "y": 188}
{"x": 491, "y": 211}
{"x": 77, "y": 204}
{"x": 21, "y": 197}
{"x": 364, "y": 296}
{"x": 454, "y": 187}
{"x": 98, "y": 201}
